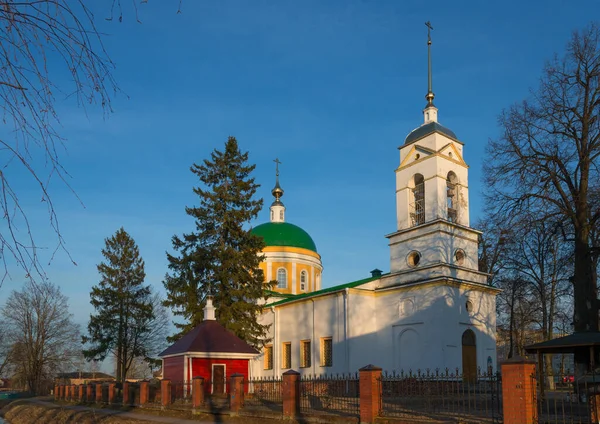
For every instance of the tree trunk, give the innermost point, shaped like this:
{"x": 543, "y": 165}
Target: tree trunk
{"x": 585, "y": 316}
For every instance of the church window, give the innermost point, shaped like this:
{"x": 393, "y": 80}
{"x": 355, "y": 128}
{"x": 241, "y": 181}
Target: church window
{"x": 303, "y": 278}
{"x": 269, "y": 357}
{"x": 281, "y": 278}
{"x": 326, "y": 352}
{"x": 459, "y": 256}
{"x": 286, "y": 355}
{"x": 414, "y": 258}
{"x": 272, "y": 215}
{"x": 281, "y": 215}
{"x": 417, "y": 156}
{"x": 452, "y": 196}
{"x": 305, "y": 359}
{"x": 417, "y": 205}
{"x": 469, "y": 306}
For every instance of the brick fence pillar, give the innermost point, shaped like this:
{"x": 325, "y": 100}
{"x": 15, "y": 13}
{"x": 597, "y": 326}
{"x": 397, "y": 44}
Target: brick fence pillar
{"x": 291, "y": 394}
{"x": 144, "y": 392}
{"x": 165, "y": 393}
{"x": 74, "y": 396}
{"x": 61, "y": 391}
{"x": 126, "y": 397}
{"x": 89, "y": 393}
{"x": 519, "y": 391}
{"x": 98, "y": 392}
{"x": 236, "y": 393}
{"x": 111, "y": 392}
{"x": 370, "y": 393}
{"x": 81, "y": 392}
{"x": 595, "y": 406}
{"x": 197, "y": 392}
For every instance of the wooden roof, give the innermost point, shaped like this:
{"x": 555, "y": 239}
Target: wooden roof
{"x": 566, "y": 344}
{"x": 209, "y": 337}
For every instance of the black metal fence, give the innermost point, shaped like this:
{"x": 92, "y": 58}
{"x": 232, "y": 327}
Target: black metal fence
{"x": 426, "y": 395}
{"x": 181, "y": 394}
{"x": 331, "y": 394}
{"x": 264, "y": 393}
{"x": 562, "y": 397}
{"x": 154, "y": 394}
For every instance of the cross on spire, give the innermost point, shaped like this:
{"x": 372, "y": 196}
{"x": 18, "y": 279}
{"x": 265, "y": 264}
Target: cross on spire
{"x": 429, "y": 97}
{"x": 277, "y": 163}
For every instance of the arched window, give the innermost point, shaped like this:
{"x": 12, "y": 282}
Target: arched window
{"x": 417, "y": 205}
{"x": 452, "y": 196}
{"x": 281, "y": 278}
{"x": 303, "y": 280}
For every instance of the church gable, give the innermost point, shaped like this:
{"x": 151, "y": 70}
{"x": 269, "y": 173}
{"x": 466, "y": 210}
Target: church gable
{"x": 449, "y": 151}
{"x": 416, "y": 154}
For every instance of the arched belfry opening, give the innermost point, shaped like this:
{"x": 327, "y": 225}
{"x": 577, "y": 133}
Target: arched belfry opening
{"x": 417, "y": 203}
{"x": 469, "y": 356}
{"x": 452, "y": 196}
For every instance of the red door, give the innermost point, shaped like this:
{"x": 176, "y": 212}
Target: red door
{"x": 218, "y": 379}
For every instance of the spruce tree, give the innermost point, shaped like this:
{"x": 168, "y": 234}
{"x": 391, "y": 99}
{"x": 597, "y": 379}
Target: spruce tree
{"x": 221, "y": 257}
{"x": 123, "y": 304}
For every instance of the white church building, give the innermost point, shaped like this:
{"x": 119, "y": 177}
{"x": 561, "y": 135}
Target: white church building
{"x": 434, "y": 309}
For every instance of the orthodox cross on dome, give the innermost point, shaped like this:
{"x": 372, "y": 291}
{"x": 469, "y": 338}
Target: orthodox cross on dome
{"x": 277, "y": 208}
{"x": 430, "y": 94}
{"x": 277, "y": 190}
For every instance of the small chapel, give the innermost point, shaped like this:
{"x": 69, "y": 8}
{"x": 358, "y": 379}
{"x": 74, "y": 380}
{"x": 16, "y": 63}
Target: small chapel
{"x": 433, "y": 309}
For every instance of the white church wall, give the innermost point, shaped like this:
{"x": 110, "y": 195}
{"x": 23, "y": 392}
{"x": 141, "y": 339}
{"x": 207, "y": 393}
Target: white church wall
{"x": 437, "y": 243}
{"x": 422, "y": 328}
{"x": 362, "y": 324}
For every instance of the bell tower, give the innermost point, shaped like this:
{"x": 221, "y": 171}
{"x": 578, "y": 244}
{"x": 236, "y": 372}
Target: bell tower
{"x": 433, "y": 236}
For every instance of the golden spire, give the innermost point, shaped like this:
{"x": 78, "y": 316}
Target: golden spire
{"x": 429, "y": 97}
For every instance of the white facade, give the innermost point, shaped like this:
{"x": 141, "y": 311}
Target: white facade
{"x": 415, "y": 326}
{"x": 433, "y": 310}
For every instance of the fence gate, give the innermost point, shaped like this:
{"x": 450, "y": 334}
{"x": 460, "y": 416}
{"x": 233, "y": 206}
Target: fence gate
{"x": 563, "y": 398}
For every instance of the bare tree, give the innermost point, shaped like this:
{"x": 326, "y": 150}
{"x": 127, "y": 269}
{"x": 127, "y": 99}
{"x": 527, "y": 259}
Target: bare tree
{"x": 546, "y": 160}
{"x": 41, "y": 333}
{"x": 41, "y": 43}
{"x": 5, "y": 353}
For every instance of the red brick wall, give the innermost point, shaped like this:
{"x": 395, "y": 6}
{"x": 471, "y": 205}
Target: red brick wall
{"x": 203, "y": 368}
{"x": 173, "y": 368}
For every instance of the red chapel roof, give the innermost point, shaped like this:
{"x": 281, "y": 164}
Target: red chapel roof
{"x": 209, "y": 337}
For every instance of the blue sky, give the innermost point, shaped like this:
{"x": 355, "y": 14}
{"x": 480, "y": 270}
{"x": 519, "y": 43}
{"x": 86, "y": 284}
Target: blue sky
{"x": 331, "y": 88}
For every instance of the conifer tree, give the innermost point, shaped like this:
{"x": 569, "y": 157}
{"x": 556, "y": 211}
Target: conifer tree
{"x": 124, "y": 308}
{"x": 221, "y": 257}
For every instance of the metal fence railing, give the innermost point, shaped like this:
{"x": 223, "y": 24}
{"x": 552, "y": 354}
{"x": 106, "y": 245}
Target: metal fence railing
{"x": 181, "y": 394}
{"x": 438, "y": 394}
{"x": 332, "y": 394}
{"x": 154, "y": 394}
{"x": 562, "y": 397}
{"x": 263, "y": 393}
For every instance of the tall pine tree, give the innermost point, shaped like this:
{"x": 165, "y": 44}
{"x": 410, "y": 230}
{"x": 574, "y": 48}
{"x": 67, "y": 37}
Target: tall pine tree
{"x": 220, "y": 257}
{"x": 124, "y": 308}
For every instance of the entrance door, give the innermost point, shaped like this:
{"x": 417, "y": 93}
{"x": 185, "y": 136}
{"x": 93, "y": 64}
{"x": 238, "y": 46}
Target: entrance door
{"x": 218, "y": 379}
{"x": 469, "y": 357}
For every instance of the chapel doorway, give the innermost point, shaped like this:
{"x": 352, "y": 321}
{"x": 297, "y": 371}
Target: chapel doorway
{"x": 469, "y": 357}
{"x": 218, "y": 379}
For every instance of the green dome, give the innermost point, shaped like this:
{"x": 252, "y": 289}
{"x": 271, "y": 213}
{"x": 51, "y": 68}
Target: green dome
{"x": 284, "y": 234}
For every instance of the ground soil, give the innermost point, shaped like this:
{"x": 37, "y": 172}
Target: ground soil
{"x": 27, "y": 411}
